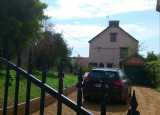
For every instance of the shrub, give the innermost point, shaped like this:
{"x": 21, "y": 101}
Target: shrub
{"x": 153, "y": 72}
{"x": 83, "y": 69}
{"x": 11, "y": 79}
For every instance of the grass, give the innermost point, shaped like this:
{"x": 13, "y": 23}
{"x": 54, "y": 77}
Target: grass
{"x": 51, "y": 80}
{"x": 157, "y": 89}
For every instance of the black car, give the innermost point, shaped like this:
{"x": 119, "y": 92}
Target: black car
{"x": 118, "y": 86}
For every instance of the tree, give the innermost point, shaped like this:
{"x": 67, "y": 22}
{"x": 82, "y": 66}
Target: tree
{"x": 152, "y": 68}
{"x": 54, "y": 47}
{"x": 20, "y": 21}
{"x": 158, "y": 55}
{"x": 153, "y": 71}
{"x": 135, "y": 48}
{"x": 151, "y": 56}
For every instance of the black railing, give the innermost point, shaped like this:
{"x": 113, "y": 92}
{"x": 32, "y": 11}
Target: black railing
{"x": 44, "y": 87}
{"x": 28, "y": 82}
{"x": 7, "y": 80}
{"x": 77, "y": 107}
{"x": 103, "y": 98}
{"x": 17, "y": 81}
{"x": 42, "y": 91}
{"x": 134, "y": 104}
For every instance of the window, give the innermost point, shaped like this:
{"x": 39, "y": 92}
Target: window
{"x": 113, "y": 37}
{"x": 101, "y": 65}
{"x": 100, "y": 74}
{"x": 110, "y": 74}
{"x": 121, "y": 74}
{"x": 123, "y": 52}
{"x": 96, "y": 74}
{"x": 109, "y": 65}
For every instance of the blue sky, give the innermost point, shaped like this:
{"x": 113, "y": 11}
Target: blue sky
{"x": 81, "y": 20}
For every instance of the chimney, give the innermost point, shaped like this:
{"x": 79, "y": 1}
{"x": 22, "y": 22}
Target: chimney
{"x": 114, "y": 22}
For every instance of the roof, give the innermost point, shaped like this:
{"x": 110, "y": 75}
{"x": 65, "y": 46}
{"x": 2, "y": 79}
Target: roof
{"x": 108, "y": 28}
{"x": 158, "y": 6}
{"x": 106, "y": 69}
{"x": 134, "y": 55}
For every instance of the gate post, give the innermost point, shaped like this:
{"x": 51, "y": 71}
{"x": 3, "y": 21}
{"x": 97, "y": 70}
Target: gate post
{"x": 28, "y": 82}
{"x": 79, "y": 95}
{"x": 103, "y": 97}
{"x": 43, "y": 82}
{"x": 17, "y": 80}
{"x": 134, "y": 105}
{"x": 61, "y": 76}
{"x": 7, "y": 79}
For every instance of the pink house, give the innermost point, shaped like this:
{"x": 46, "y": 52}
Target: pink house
{"x": 110, "y": 46}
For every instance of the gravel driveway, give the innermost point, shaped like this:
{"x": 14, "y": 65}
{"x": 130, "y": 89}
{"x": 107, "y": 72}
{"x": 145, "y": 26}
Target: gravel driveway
{"x": 148, "y": 104}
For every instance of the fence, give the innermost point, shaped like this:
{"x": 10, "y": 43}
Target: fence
{"x": 77, "y": 107}
{"x": 35, "y": 103}
{"x": 44, "y": 87}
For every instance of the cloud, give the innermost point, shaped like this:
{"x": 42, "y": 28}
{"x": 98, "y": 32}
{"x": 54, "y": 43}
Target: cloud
{"x": 76, "y": 22}
{"x": 77, "y": 36}
{"x": 69, "y": 9}
{"x": 140, "y": 31}
{"x": 67, "y": 12}
{"x": 131, "y": 27}
{"x": 80, "y": 31}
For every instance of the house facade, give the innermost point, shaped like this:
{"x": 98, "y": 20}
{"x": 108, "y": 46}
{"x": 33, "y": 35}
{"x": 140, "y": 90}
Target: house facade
{"x": 110, "y": 46}
{"x": 82, "y": 61}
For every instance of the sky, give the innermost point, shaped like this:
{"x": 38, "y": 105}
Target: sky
{"x": 81, "y": 20}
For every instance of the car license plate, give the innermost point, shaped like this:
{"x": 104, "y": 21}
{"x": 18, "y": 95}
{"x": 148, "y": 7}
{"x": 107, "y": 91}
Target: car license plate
{"x": 99, "y": 85}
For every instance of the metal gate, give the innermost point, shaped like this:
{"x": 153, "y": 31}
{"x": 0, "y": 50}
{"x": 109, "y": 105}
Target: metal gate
{"x": 44, "y": 87}
{"x": 77, "y": 107}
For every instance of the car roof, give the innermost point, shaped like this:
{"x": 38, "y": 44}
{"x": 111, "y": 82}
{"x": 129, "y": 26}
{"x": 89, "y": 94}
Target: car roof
{"x": 106, "y": 69}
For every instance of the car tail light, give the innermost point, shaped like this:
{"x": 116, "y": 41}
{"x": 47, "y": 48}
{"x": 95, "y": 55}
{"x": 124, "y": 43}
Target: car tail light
{"x": 118, "y": 83}
{"x": 87, "y": 80}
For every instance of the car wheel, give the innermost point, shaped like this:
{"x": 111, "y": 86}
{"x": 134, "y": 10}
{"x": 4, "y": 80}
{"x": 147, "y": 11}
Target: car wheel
{"x": 87, "y": 98}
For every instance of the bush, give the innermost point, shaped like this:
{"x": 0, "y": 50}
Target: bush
{"x": 83, "y": 69}
{"x": 153, "y": 73}
{"x": 11, "y": 78}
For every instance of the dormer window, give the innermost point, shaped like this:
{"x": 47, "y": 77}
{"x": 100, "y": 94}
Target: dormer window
{"x": 113, "y": 37}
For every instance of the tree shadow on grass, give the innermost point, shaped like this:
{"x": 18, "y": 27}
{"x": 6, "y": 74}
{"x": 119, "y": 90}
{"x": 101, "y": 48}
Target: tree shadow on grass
{"x": 38, "y": 74}
{"x": 112, "y": 106}
{"x": 2, "y": 75}
{"x": 52, "y": 75}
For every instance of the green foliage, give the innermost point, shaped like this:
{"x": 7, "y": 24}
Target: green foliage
{"x": 51, "y": 80}
{"x": 151, "y": 56}
{"x": 54, "y": 47}
{"x": 20, "y": 21}
{"x": 71, "y": 67}
{"x": 11, "y": 78}
{"x": 153, "y": 72}
{"x": 152, "y": 68}
{"x": 83, "y": 69}
{"x": 158, "y": 89}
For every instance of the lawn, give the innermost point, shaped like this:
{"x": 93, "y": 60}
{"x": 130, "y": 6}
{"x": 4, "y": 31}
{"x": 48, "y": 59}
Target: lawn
{"x": 51, "y": 80}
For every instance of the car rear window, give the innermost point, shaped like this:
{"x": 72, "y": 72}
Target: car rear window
{"x": 100, "y": 74}
{"x": 121, "y": 74}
